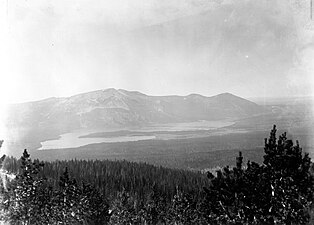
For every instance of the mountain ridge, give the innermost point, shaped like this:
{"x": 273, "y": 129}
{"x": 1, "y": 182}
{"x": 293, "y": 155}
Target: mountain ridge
{"x": 127, "y": 91}
{"x": 119, "y": 108}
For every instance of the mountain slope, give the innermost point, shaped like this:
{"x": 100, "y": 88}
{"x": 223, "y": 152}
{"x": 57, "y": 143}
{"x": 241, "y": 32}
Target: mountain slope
{"x": 119, "y": 108}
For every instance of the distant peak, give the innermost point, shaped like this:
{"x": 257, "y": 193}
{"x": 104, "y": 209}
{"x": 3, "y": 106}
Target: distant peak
{"x": 131, "y": 92}
{"x": 110, "y": 90}
{"x": 193, "y": 95}
{"x": 226, "y": 94}
{"x": 228, "y": 97}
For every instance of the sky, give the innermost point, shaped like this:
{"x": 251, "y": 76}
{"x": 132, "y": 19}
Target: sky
{"x": 250, "y": 48}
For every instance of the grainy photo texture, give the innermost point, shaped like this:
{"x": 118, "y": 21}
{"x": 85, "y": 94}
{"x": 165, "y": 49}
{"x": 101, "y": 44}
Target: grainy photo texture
{"x": 156, "y": 112}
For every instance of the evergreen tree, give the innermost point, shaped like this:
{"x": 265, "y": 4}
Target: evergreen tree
{"x": 155, "y": 208}
{"x": 278, "y": 191}
{"x": 124, "y": 210}
{"x": 26, "y": 200}
{"x": 30, "y": 199}
{"x": 184, "y": 210}
{"x": 65, "y": 204}
{"x": 290, "y": 180}
{"x": 95, "y": 206}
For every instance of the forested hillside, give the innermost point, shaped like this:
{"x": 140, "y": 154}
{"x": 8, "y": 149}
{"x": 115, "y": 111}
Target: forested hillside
{"x": 111, "y": 177}
{"x": 278, "y": 191}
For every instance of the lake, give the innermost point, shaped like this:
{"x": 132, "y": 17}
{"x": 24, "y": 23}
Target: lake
{"x": 74, "y": 140}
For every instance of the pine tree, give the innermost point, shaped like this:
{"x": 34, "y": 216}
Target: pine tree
{"x": 30, "y": 199}
{"x": 278, "y": 191}
{"x": 124, "y": 210}
{"x": 95, "y": 206}
{"x": 27, "y": 198}
{"x": 65, "y": 204}
{"x": 154, "y": 211}
{"x": 184, "y": 210}
{"x": 290, "y": 180}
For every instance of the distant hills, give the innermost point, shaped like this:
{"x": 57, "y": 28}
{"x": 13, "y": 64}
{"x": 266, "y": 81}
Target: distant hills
{"x": 112, "y": 108}
{"x": 112, "y": 112}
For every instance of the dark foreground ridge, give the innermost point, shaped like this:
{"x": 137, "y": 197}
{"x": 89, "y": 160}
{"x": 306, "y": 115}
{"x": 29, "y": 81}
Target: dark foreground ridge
{"x": 277, "y": 191}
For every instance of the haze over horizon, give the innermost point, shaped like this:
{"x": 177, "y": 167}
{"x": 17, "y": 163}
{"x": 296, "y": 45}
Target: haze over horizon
{"x": 253, "y": 99}
{"x": 247, "y": 48}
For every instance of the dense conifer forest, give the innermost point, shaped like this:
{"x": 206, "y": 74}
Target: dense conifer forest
{"x": 278, "y": 191}
{"x": 112, "y": 177}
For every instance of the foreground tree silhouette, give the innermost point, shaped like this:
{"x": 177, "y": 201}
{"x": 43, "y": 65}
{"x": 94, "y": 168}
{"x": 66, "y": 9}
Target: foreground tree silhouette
{"x": 30, "y": 199}
{"x": 278, "y": 191}
{"x": 184, "y": 210}
{"x": 124, "y": 210}
{"x": 26, "y": 199}
{"x": 288, "y": 172}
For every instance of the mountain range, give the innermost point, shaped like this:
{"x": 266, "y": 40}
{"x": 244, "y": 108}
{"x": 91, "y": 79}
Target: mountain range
{"x": 112, "y": 108}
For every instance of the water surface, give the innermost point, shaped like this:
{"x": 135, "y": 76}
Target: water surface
{"x": 74, "y": 139}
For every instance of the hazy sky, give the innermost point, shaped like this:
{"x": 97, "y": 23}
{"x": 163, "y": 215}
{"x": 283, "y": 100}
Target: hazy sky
{"x": 160, "y": 47}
